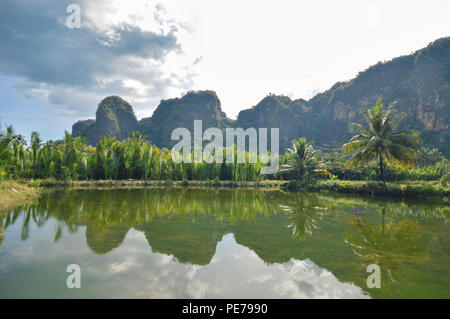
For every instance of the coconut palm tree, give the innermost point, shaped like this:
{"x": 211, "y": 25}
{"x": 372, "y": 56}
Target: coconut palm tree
{"x": 9, "y": 142}
{"x": 303, "y": 161}
{"x": 381, "y": 140}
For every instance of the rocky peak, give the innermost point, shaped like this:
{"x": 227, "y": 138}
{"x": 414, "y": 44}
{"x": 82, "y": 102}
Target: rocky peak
{"x": 114, "y": 117}
{"x": 181, "y": 112}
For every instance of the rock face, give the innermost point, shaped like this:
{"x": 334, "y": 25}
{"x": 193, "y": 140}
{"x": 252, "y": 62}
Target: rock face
{"x": 81, "y": 128}
{"x": 181, "y": 112}
{"x": 276, "y": 112}
{"x": 114, "y": 117}
{"x": 419, "y": 83}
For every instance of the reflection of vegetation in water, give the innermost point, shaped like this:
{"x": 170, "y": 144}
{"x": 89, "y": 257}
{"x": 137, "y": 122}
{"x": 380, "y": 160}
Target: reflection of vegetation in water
{"x": 303, "y": 214}
{"x": 109, "y": 214}
{"x": 387, "y": 244}
{"x": 277, "y": 227}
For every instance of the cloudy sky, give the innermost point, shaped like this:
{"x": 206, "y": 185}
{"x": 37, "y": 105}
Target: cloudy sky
{"x": 52, "y": 75}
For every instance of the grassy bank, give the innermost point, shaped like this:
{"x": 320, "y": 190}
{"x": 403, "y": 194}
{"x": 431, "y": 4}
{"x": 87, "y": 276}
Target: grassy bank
{"x": 141, "y": 183}
{"x": 14, "y": 193}
{"x": 418, "y": 189}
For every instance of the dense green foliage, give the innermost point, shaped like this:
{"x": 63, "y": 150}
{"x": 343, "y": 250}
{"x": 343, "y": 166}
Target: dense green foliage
{"x": 136, "y": 158}
{"x": 133, "y": 158}
{"x": 336, "y": 164}
{"x": 423, "y": 190}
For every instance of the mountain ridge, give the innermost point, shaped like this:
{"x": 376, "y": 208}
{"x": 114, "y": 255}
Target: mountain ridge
{"x": 419, "y": 83}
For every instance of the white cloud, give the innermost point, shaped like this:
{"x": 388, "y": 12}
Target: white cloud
{"x": 296, "y": 48}
{"x": 241, "y": 49}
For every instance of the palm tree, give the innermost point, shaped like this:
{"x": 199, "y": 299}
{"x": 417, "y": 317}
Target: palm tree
{"x": 303, "y": 161}
{"x": 6, "y": 138}
{"x": 9, "y": 141}
{"x": 381, "y": 139}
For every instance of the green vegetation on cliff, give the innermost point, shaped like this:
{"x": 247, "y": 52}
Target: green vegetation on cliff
{"x": 419, "y": 83}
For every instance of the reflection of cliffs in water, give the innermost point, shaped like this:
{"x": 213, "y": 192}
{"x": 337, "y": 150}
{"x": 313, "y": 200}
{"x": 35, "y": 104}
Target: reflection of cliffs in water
{"x": 174, "y": 217}
{"x": 188, "y": 240}
{"x": 189, "y": 223}
{"x": 103, "y": 240}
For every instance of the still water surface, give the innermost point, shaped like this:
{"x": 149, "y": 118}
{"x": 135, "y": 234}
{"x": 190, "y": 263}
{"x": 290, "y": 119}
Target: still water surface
{"x": 223, "y": 243}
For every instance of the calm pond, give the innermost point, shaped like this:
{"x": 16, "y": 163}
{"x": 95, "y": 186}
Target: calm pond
{"x": 223, "y": 243}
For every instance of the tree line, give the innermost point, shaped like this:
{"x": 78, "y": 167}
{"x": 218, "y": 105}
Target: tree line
{"x": 378, "y": 143}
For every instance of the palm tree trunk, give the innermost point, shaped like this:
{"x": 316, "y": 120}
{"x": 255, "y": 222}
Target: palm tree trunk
{"x": 381, "y": 167}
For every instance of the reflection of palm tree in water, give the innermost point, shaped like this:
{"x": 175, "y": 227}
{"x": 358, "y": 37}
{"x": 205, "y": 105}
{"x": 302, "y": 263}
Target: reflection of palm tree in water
{"x": 388, "y": 245}
{"x": 303, "y": 215}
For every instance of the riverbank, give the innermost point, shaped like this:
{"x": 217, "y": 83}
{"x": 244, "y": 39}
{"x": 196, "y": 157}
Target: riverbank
{"x": 274, "y": 184}
{"x": 15, "y": 193}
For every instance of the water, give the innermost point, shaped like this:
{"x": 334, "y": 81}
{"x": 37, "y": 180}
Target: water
{"x": 223, "y": 243}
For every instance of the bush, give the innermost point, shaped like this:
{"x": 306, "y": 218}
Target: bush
{"x": 444, "y": 180}
{"x": 410, "y": 189}
{"x": 392, "y": 172}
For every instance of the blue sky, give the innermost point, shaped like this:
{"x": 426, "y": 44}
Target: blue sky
{"x": 51, "y": 75}
{"x": 29, "y": 114}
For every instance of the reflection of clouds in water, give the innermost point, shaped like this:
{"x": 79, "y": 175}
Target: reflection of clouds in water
{"x": 41, "y": 243}
{"x": 133, "y": 270}
{"x": 260, "y": 278}
{"x": 127, "y": 265}
{"x": 236, "y": 273}
{"x": 304, "y": 279}
{"x": 214, "y": 259}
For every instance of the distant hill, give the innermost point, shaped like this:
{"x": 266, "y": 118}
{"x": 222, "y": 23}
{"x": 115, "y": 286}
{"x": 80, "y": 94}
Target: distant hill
{"x": 114, "y": 117}
{"x": 419, "y": 83}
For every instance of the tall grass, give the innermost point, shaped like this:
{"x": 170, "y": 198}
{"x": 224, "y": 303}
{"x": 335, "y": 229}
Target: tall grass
{"x": 133, "y": 158}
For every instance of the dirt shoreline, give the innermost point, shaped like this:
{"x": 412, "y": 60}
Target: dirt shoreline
{"x": 15, "y": 193}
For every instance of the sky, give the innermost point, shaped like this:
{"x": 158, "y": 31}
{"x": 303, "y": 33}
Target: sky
{"x": 52, "y": 75}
